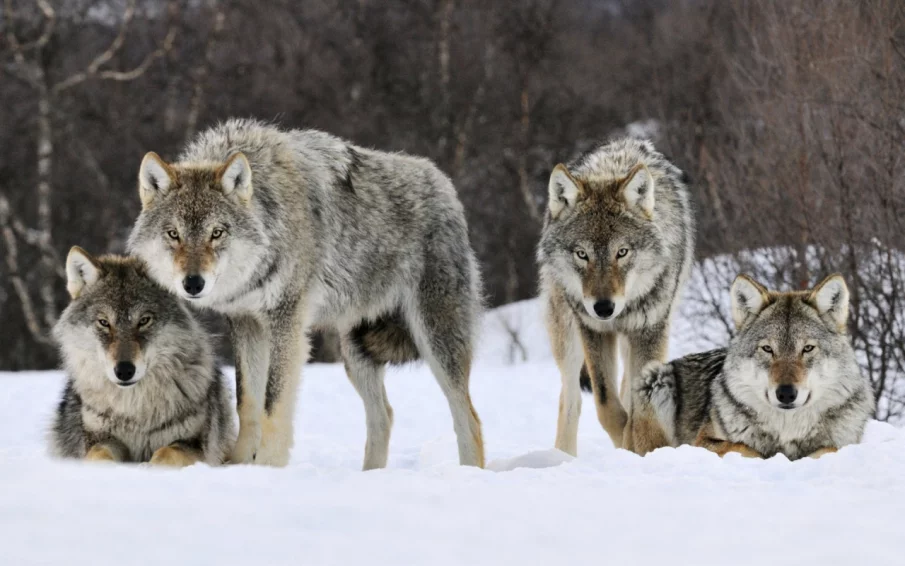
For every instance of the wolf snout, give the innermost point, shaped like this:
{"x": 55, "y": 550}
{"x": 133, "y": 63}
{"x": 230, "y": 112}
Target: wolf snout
{"x": 786, "y": 394}
{"x": 193, "y": 284}
{"x": 604, "y": 308}
{"x": 124, "y": 371}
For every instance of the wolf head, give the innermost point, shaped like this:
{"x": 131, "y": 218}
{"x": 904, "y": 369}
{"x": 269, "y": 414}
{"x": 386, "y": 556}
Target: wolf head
{"x": 601, "y": 238}
{"x": 791, "y": 349}
{"x": 197, "y": 230}
{"x": 119, "y": 323}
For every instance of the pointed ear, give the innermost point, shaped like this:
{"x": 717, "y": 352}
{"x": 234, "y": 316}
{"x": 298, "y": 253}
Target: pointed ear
{"x": 235, "y": 177}
{"x": 830, "y": 297}
{"x": 638, "y": 189}
{"x": 748, "y": 298}
{"x": 564, "y": 190}
{"x": 155, "y": 178}
{"x": 82, "y": 270}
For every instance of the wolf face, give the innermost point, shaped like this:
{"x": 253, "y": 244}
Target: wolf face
{"x": 119, "y": 322}
{"x": 197, "y": 231}
{"x": 600, "y": 235}
{"x": 792, "y": 349}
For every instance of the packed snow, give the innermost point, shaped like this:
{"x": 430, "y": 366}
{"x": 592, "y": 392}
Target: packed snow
{"x": 532, "y": 505}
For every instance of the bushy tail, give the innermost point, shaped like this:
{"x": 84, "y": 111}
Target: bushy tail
{"x": 584, "y": 380}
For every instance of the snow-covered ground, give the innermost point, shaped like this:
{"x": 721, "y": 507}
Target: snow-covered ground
{"x": 533, "y": 505}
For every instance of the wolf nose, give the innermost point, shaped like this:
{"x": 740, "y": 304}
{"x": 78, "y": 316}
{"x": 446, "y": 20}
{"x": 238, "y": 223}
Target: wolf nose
{"x": 124, "y": 370}
{"x": 604, "y": 308}
{"x": 786, "y": 394}
{"x": 193, "y": 284}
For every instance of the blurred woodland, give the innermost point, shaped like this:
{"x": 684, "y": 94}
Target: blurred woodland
{"x": 787, "y": 114}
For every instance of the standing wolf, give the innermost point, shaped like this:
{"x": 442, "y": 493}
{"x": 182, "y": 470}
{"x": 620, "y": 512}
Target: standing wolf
{"x": 615, "y": 251}
{"x": 788, "y": 382}
{"x": 284, "y": 231}
{"x": 142, "y": 383}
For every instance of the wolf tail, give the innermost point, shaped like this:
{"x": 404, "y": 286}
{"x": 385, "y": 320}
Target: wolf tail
{"x": 584, "y": 379}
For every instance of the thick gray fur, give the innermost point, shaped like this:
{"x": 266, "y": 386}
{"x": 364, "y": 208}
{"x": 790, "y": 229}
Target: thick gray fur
{"x": 179, "y": 398}
{"x": 373, "y": 244}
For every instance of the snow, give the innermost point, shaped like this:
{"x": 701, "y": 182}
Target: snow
{"x": 532, "y": 505}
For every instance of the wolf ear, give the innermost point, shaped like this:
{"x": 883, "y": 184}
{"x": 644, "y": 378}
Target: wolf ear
{"x": 154, "y": 178}
{"x": 638, "y": 189}
{"x": 235, "y": 177}
{"x": 830, "y": 297}
{"x": 82, "y": 270}
{"x": 748, "y": 298}
{"x": 564, "y": 190}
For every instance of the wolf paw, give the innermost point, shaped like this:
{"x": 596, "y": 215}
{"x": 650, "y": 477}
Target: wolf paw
{"x": 100, "y": 453}
{"x": 173, "y": 457}
{"x": 247, "y": 445}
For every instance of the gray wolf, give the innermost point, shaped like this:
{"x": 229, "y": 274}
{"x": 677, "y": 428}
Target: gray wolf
{"x": 616, "y": 249}
{"x": 288, "y": 230}
{"x": 788, "y": 383}
{"x": 142, "y": 382}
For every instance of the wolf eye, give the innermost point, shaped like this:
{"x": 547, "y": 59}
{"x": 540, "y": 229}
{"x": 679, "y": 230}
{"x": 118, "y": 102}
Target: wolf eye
{"x": 103, "y": 322}
{"x": 808, "y": 348}
{"x": 216, "y": 234}
{"x": 582, "y": 255}
{"x": 173, "y": 234}
{"x": 767, "y": 349}
{"x": 622, "y": 252}
{"x": 144, "y": 321}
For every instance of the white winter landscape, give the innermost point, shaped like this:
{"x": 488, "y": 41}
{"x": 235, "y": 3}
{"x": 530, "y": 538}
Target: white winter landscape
{"x": 533, "y": 505}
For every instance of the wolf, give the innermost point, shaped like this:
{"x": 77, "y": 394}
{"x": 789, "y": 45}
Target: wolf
{"x": 284, "y": 231}
{"x": 615, "y": 251}
{"x": 142, "y": 384}
{"x": 788, "y": 383}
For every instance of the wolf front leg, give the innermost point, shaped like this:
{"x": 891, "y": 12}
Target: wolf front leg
{"x": 566, "y": 342}
{"x": 288, "y": 351}
{"x": 251, "y": 346}
{"x": 600, "y": 351}
{"x": 708, "y": 439}
{"x": 643, "y": 432}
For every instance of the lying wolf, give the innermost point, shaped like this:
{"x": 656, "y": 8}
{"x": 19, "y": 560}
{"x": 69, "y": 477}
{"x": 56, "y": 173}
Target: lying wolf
{"x": 142, "y": 383}
{"x": 787, "y": 384}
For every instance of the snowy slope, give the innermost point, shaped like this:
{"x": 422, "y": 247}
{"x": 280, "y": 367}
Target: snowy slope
{"x": 533, "y": 506}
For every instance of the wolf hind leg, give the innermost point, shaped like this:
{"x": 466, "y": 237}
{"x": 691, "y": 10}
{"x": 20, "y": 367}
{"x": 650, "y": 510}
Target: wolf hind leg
{"x": 653, "y": 408}
{"x": 443, "y": 333}
{"x": 367, "y": 377}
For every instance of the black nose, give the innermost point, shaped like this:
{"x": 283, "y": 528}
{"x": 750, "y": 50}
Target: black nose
{"x": 786, "y": 394}
{"x": 604, "y": 308}
{"x": 124, "y": 370}
{"x": 193, "y": 284}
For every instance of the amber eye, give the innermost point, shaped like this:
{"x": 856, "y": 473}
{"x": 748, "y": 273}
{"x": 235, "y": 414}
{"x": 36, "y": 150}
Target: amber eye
{"x": 103, "y": 322}
{"x": 216, "y": 234}
{"x": 144, "y": 321}
{"x": 622, "y": 252}
{"x": 582, "y": 255}
{"x": 808, "y": 348}
{"x": 767, "y": 349}
{"x": 173, "y": 234}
